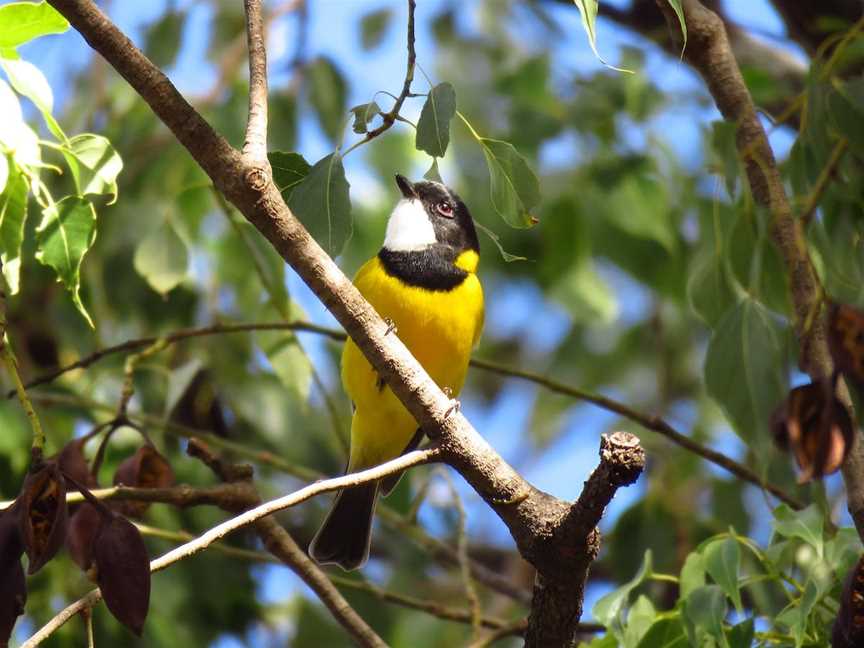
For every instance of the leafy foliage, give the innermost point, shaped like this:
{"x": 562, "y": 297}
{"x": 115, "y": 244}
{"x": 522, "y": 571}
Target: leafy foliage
{"x": 651, "y": 277}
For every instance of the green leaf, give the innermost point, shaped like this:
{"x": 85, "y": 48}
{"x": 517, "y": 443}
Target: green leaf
{"x": 796, "y": 617}
{"x": 16, "y": 135}
{"x": 514, "y": 188}
{"x": 29, "y": 81}
{"x": 95, "y": 165}
{"x": 741, "y": 635}
{"x": 847, "y": 118}
{"x": 179, "y": 382}
{"x": 433, "y": 127}
{"x": 639, "y": 205}
{"x": 708, "y": 289}
{"x": 289, "y": 361}
{"x": 705, "y": 609}
{"x": 692, "y": 574}
{"x": 808, "y": 525}
{"x": 322, "y": 203}
{"x": 363, "y": 114}
{"x": 270, "y": 265}
{"x": 162, "y": 258}
{"x": 723, "y": 157}
{"x": 588, "y": 12}
{"x": 13, "y": 212}
{"x": 607, "y": 609}
{"x": 328, "y": 94}
{"x": 745, "y": 369}
{"x": 24, "y": 21}
{"x": 163, "y": 38}
{"x": 679, "y": 11}
{"x": 289, "y": 169}
{"x": 373, "y": 27}
{"x": 722, "y": 562}
{"x": 509, "y": 258}
{"x": 639, "y": 620}
{"x": 67, "y": 231}
{"x": 665, "y": 633}
{"x": 433, "y": 173}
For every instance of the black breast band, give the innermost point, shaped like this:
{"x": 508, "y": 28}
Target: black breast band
{"x": 432, "y": 268}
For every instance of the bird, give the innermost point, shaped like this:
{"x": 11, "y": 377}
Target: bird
{"x": 424, "y": 283}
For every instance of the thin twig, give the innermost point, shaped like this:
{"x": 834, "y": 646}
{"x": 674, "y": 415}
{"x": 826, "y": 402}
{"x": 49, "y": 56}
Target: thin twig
{"x": 391, "y": 117}
{"x": 823, "y": 181}
{"x": 38, "y": 445}
{"x": 464, "y": 559}
{"x": 649, "y": 422}
{"x": 255, "y": 143}
{"x": 246, "y": 518}
{"x": 433, "y": 608}
{"x": 653, "y": 423}
{"x": 177, "y": 336}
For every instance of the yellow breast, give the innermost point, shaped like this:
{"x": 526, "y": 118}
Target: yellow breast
{"x": 440, "y": 328}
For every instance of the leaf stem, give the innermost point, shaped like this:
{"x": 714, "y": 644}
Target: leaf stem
{"x": 38, "y": 446}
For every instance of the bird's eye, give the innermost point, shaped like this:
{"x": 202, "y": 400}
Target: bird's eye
{"x": 445, "y": 209}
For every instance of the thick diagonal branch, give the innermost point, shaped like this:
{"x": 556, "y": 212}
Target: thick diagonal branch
{"x": 709, "y": 52}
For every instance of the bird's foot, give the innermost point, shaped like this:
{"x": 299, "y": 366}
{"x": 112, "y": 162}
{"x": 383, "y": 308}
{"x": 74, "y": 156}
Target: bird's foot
{"x": 391, "y": 326}
{"x": 455, "y": 405}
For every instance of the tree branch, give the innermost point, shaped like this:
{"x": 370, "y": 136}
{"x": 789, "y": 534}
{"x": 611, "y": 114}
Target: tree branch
{"x": 391, "y": 117}
{"x": 558, "y": 594}
{"x": 246, "y": 518}
{"x": 534, "y": 518}
{"x": 709, "y": 52}
{"x": 649, "y": 422}
{"x": 255, "y": 144}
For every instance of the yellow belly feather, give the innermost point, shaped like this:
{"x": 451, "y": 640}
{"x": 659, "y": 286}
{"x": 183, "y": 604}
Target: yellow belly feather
{"x": 440, "y": 328}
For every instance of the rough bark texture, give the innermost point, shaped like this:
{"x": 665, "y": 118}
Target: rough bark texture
{"x": 572, "y": 545}
{"x": 709, "y": 52}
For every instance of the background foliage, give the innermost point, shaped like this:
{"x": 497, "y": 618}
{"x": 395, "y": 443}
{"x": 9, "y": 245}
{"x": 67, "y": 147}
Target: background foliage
{"x": 648, "y": 276}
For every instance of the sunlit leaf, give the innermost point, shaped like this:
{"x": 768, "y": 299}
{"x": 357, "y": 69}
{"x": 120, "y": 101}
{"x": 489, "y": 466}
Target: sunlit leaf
{"x": 806, "y": 525}
{"x": 28, "y": 80}
{"x": 322, "y": 203}
{"x": 162, "y": 258}
{"x": 67, "y": 231}
{"x": 433, "y": 127}
{"x": 588, "y": 12}
{"x": 679, "y": 11}
{"x": 692, "y": 573}
{"x": 95, "y": 165}
{"x": 24, "y": 21}
{"x": 13, "y": 212}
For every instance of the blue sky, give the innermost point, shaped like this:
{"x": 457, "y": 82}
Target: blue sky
{"x": 561, "y": 468}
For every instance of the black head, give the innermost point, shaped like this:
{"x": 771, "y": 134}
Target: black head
{"x": 449, "y": 216}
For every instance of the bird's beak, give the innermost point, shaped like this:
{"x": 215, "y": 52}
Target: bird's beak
{"x": 405, "y": 187}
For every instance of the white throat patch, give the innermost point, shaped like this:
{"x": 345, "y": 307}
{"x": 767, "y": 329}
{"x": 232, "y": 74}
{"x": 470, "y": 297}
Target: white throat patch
{"x": 409, "y": 228}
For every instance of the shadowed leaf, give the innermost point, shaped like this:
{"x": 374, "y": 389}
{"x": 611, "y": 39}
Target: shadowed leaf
{"x": 123, "y": 572}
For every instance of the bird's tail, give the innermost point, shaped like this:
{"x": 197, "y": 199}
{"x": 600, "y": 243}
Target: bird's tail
{"x": 345, "y": 536}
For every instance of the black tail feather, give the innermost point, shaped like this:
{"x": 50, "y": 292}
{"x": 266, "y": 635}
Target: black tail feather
{"x": 345, "y": 536}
